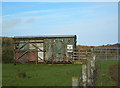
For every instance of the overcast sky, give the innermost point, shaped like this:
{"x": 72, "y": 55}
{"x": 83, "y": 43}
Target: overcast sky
{"x": 93, "y": 23}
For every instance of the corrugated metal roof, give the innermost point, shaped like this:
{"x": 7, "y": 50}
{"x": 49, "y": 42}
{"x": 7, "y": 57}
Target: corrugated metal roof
{"x": 46, "y": 36}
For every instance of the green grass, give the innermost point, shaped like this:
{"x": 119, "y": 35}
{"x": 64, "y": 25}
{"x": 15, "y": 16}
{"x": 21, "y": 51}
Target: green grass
{"x": 40, "y": 75}
{"x": 53, "y": 75}
{"x": 103, "y": 76}
{"x": 0, "y": 74}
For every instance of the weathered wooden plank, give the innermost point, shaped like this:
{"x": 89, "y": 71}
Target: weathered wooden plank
{"x": 37, "y": 47}
{"x": 22, "y": 54}
{"x": 52, "y": 51}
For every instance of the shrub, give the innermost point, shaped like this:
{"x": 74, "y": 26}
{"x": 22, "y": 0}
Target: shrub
{"x": 7, "y": 50}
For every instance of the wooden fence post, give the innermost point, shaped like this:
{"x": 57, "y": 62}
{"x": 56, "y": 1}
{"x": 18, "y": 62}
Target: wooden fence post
{"x": 106, "y": 53}
{"x": 117, "y": 53}
{"x": 92, "y": 51}
{"x": 79, "y": 53}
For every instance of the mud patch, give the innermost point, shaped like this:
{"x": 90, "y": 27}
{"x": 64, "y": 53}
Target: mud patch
{"x": 113, "y": 72}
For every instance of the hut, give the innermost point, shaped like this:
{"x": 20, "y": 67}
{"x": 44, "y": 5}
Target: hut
{"x": 44, "y": 49}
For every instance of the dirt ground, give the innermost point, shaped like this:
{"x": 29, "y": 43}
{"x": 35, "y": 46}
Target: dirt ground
{"x": 113, "y": 72}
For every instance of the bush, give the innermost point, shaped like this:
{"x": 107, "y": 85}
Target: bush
{"x": 7, "y": 50}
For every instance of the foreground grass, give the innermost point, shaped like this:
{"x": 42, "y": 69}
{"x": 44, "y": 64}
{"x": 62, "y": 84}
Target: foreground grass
{"x": 40, "y": 75}
{"x": 0, "y": 74}
{"x": 103, "y": 73}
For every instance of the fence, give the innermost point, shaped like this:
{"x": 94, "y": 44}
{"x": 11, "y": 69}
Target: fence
{"x": 106, "y": 53}
{"x": 87, "y": 57}
{"x": 88, "y": 74}
{"x": 81, "y": 55}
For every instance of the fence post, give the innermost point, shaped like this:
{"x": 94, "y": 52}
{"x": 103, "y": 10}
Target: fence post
{"x": 106, "y": 53}
{"x": 84, "y": 75}
{"x": 92, "y": 68}
{"x": 117, "y": 53}
{"x": 74, "y": 82}
{"x": 88, "y": 73}
{"x": 92, "y": 51}
{"x": 79, "y": 53}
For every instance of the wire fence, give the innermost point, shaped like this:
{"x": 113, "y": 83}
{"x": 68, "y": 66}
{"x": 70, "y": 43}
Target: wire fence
{"x": 107, "y": 53}
{"x": 106, "y": 72}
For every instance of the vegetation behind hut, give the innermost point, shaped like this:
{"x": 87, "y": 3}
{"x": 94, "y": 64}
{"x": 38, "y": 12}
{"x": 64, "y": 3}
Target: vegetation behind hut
{"x": 7, "y": 50}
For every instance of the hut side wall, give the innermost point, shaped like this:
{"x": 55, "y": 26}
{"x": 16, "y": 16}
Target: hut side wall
{"x": 46, "y": 50}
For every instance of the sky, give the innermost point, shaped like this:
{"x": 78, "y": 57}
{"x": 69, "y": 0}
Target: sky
{"x": 94, "y": 23}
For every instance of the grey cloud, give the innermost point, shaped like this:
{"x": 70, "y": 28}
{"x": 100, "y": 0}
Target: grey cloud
{"x": 30, "y": 20}
{"x": 11, "y": 23}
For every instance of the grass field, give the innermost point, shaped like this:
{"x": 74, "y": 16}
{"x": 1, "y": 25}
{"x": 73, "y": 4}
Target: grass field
{"x": 39, "y": 75}
{"x": 55, "y": 75}
{"x": 104, "y": 78}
